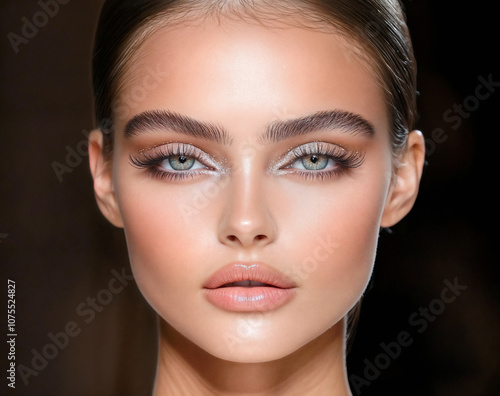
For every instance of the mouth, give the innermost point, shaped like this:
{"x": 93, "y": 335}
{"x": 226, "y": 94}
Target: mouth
{"x": 247, "y": 283}
{"x": 242, "y": 287}
{"x": 248, "y": 275}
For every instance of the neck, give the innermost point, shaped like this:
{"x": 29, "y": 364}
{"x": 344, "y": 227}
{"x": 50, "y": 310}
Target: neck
{"x": 317, "y": 368}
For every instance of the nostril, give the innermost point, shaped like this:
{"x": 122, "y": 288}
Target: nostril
{"x": 234, "y": 238}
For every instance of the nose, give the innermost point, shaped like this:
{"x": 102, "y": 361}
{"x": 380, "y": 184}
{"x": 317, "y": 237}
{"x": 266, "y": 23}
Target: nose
{"x": 247, "y": 220}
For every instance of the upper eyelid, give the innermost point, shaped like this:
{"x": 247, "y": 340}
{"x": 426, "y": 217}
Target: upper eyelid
{"x": 181, "y": 148}
{"x": 311, "y": 147}
{"x": 165, "y": 145}
{"x": 186, "y": 149}
{"x": 317, "y": 148}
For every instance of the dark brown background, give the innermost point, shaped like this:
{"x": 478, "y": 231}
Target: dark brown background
{"x": 59, "y": 250}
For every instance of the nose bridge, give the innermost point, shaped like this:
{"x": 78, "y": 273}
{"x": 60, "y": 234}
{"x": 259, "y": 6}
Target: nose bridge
{"x": 247, "y": 218}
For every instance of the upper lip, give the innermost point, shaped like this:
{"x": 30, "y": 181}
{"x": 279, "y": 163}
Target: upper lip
{"x": 240, "y": 271}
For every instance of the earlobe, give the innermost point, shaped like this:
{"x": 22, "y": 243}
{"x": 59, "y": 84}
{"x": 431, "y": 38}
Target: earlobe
{"x": 101, "y": 170}
{"x": 404, "y": 190}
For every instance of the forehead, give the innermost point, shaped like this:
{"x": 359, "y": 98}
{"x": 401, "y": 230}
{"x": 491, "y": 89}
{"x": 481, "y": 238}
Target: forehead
{"x": 237, "y": 69}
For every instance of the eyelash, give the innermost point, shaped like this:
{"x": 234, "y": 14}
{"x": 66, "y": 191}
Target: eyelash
{"x": 151, "y": 160}
{"x": 343, "y": 159}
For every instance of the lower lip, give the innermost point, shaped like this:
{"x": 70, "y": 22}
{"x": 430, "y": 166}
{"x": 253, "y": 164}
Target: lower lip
{"x": 249, "y": 299}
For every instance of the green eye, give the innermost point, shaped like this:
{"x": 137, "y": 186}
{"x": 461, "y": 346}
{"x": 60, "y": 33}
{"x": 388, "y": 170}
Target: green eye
{"x": 315, "y": 162}
{"x": 181, "y": 162}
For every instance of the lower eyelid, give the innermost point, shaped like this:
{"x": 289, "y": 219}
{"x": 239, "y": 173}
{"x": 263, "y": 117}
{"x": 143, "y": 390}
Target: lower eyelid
{"x": 320, "y": 174}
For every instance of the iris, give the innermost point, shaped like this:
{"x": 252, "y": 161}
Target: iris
{"x": 181, "y": 162}
{"x": 315, "y": 162}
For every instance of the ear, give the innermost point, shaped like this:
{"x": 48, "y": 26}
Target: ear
{"x": 404, "y": 189}
{"x": 101, "y": 169}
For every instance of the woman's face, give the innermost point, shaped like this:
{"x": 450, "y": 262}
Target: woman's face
{"x": 263, "y": 148}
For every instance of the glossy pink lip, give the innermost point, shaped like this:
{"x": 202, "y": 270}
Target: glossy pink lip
{"x": 277, "y": 292}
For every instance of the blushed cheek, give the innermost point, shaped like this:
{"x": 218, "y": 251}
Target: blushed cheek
{"x": 156, "y": 239}
{"x": 352, "y": 234}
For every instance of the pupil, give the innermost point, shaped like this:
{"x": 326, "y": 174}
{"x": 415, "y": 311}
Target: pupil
{"x": 314, "y": 159}
{"x": 182, "y": 159}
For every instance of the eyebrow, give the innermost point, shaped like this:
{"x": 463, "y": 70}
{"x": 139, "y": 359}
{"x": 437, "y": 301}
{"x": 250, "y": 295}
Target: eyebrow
{"x": 161, "y": 120}
{"x": 276, "y": 131}
{"x": 340, "y": 120}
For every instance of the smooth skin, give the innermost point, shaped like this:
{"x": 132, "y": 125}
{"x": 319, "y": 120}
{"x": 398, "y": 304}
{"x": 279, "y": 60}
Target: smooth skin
{"x": 248, "y": 206}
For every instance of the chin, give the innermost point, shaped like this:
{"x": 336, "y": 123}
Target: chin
{"x": 253, "y": 352}
{"x": 264, "y": 344}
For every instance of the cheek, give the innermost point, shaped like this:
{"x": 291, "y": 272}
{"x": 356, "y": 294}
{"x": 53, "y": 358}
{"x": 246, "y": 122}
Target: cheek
{"x": 338, "y": 235}
{"x": 152, "y": 230}
{"x": 163, "y": 231}
{"x": 352, "y": 231}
